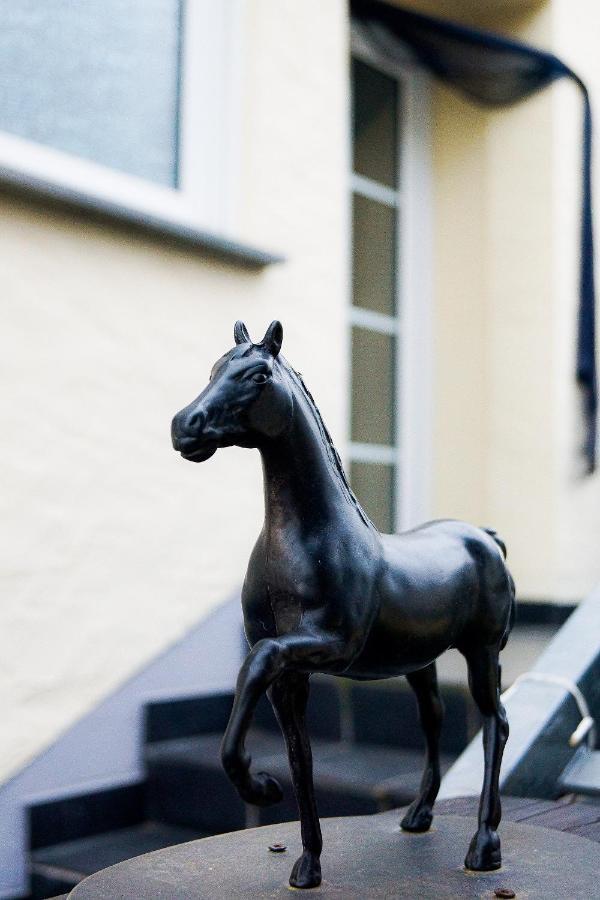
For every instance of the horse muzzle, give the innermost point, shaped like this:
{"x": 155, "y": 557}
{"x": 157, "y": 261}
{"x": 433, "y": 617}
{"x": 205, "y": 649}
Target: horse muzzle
{"x": 199, "y": 455}
{"x": 194, "y": 448}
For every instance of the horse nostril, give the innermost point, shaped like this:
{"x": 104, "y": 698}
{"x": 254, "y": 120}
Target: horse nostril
{"x": 196, "y": 421}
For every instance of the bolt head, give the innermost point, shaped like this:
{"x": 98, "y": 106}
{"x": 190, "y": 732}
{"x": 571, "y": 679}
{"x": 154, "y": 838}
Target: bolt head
{"x": 281, "y": 848}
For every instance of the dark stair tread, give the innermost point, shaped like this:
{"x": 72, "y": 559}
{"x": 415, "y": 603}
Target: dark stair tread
{"x": 580, "y": 817}
{"x": 184, "y": 716}
{"x": 582, "y": 774}
{"x": 345, "y": 764}
{"x": 187, "y": 785}
{"x": 357, "y": 766}
{"x": 568, "y": 816}
{"x": 385, "y": 712}
{"x": 82, "y": 815}
{"x": 83, "y": 857}
{"x": 360, "y": 768}
{"x": 350, "y": 779}
{"x": 514, "y": 809}
{"x": 205, "y": 749}
{"x": 208, "y": 713}
{"x": 591, "y": 831}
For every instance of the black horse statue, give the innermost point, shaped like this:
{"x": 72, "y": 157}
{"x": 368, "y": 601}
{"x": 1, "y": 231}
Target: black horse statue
{"x": 325, "y": 592}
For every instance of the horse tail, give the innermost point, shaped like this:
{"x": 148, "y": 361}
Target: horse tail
{"x": 513, "y": 602}
{"x": 495, "y": 537}
{"x": 512, "y": 614}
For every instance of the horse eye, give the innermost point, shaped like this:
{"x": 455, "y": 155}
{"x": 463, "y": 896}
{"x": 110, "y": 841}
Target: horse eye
{"x": 260, "y": 378}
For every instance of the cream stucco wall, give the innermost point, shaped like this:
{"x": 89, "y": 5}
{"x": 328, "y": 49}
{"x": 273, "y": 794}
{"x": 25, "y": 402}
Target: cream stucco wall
{"x": 459, "y": 133}
{"x": 506, "y": 256}
{"x": 520, "y": 402}
{"x": 494, "y": 463}
{"x": 576, "y": 29}
{"x": 115, "y": 546}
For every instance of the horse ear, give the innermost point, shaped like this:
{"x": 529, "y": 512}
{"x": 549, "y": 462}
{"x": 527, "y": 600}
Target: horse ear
{"x": 240, "y": 333}
{"x": 273, "y": 338}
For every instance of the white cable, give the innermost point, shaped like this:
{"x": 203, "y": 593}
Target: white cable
{"x": 587, "y": 724}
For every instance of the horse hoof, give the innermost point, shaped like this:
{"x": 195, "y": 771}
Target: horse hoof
{"x": 306, "y": 872}
{"x": 417, "y": 820}
{"x": 263, "y": 790}
{"x": 484, "y": 853}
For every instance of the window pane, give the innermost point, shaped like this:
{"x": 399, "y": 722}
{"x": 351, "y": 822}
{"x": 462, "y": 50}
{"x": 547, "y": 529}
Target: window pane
{"x": 375, "y": 113}
{"x": 373, "y": 369}
{"x": 99, "y": 79}
{"x": 373, "y": 484}
{"x": 373, "y": 255}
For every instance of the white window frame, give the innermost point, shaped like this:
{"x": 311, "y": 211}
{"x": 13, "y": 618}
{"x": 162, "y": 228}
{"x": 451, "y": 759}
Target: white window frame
{"x": 411, "y": 454}
{"x": 208, "y": 158}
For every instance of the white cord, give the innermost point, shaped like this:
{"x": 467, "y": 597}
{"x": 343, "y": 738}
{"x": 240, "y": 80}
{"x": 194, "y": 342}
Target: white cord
{"x": 587, "y": 726}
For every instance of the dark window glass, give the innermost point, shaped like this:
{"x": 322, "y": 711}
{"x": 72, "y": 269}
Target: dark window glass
{"x": 373, "y": 484}
{"x": 373, "y": 255}
{"x": 96, "y": 78}
{"x": 373, "y": 368}
{"x": 375, "y": 114}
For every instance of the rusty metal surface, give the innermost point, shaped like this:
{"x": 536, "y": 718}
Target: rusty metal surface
{"x": 366, "y": 857}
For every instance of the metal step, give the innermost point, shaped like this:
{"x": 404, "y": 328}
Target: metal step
{"x": 582, "y": 775}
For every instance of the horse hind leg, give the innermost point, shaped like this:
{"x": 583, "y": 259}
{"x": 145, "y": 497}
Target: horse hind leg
{"x": 484, "y": 682}
{"x": 431, "y": 711}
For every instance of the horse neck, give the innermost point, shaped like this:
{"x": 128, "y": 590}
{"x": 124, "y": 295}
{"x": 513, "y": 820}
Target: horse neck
{"x": 301, "y": 476}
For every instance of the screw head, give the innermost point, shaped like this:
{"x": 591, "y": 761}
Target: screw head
{"x": 281, "y": 848}
{"x": 504, "y": 893}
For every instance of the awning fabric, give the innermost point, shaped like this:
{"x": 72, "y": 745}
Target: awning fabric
{"x": 495, "y": 71}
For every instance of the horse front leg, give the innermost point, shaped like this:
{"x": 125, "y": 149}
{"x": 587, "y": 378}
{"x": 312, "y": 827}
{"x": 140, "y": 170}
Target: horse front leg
{"x": 267, "y": 661}
{"x": 289, "y": 697}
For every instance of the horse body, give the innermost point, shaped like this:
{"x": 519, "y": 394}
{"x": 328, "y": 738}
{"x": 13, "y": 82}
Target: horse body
{"x": 325, "y": 592}
{"x": 410, "y": 596}
{"x": 442, "y": 585}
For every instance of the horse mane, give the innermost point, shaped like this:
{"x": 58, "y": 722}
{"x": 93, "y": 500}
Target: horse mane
{"x": 334, "y": 456}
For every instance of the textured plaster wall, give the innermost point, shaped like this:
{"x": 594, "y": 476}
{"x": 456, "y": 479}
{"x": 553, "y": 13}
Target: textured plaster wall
{"x": 521, "y": 402}
{"x": 459, "y": 463}
{"x": 576, "y": 29}
{"x": 115, "y": 546}
{"x": 506, "y": 263}
{"x": 493, "y": 312}
{"x": 536, "y": 492}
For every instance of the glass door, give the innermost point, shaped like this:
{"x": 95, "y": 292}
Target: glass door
{"x": 380, "y": 317}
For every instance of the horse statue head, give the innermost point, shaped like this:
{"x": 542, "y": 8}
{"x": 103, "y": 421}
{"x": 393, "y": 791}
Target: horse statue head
{"x": 246, "y": 402}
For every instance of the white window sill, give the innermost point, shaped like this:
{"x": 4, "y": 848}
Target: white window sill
{"x": 144, "y": 221}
